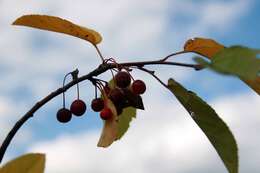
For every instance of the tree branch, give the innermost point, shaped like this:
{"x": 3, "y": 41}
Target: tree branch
{"x": 101, "y": 69}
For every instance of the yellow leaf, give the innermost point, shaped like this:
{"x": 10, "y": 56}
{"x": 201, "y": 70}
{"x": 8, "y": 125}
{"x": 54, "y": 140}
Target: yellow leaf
{"x": 110, "y": 129}
{"x": 29, "y": 163}
{"x": 203, "y": 46}
{"x": 56, "y": 24}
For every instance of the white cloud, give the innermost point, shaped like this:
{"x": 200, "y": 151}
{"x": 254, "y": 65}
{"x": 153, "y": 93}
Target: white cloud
{"x": 205, "y": 18}
{"x": 221, "y": 16}
{"x": 162, "y": 139}
{"x": 241, "y": 113}
{"x": 9, "y": 114}
{"x": 132, "y": 30}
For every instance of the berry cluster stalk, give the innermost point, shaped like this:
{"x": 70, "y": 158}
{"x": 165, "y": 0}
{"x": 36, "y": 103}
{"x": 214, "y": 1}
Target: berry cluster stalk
{"x": 99, "y": 70}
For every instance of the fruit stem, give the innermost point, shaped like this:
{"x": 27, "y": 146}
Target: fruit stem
{"x": 99, "y": 86}
{"x": 95, "y": 91}
{"x": 63, "y": 94}
{"x": 99, "y": 53}
{"x": 78, "y": 90}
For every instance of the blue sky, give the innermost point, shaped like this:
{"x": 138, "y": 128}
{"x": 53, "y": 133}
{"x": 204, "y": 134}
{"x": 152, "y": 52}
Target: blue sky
{"x": 34, "y": 62}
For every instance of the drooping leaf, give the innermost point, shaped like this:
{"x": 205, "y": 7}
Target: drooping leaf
{"x": 122, "y": 123}
{"x": 29, "y": 163}
{"x": 110, "y": 129}
{"x": 203, "y": 46}
{"x": 128, "y": 111}
{"x": 235, "y": 60}
{"x": 210, "y": 123}
{"x": 56, "y": 24}
{"x": 124, "y": 120}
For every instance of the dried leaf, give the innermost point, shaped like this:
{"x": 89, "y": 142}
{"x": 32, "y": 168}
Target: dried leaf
{"x": 203, "y": 46}
{"x": 124, "y": 121}
{"x": 29, "y": 163}
{"x": 110, "y": 129}
{"x": 210, "y": 123}
{"x": 126, "y": 112}
{"x": 56, "y": 24}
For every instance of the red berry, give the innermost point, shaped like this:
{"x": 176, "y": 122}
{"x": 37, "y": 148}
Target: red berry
{"x": 63, "y": 115}
{"x": 106, "y": 114}
{"x": 97, "y": 104}
{"x": 78, "y": 107}
{"x": 122, "y": 79}
{"x": 138, "y": 87}
{"x": 117, "y": 96}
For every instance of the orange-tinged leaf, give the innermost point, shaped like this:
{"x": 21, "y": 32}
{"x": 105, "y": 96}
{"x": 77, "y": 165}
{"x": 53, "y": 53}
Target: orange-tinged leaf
{"x": 56, "y": 24}
{"x": 203, "y": 46}
{"x": 209, "y": 48}
{"x": 110, "y": 129}
{"x": 254, "y": 84}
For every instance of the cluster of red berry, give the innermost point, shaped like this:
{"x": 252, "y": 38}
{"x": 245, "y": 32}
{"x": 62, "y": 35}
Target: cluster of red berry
{"x": 123, "y": 94}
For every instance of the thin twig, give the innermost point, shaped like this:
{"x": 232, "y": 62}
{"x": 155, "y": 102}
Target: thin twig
{"x": 159, "y": 62}
{"x": 38, "y": 105}
{"x": 152, "y": 73}
{"x": 173, "y": 54}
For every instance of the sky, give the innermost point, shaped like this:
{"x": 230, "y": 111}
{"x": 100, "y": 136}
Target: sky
{"x": 163, "y": 138}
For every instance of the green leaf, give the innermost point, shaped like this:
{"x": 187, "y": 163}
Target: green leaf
{"x": 112, "y": 84}
{"x": 29, "y": 163}
{"x": 236, "y": 60}
{"x": 124, "y": 120}
{"x": 210, "y": 123}
{"x": 128, "y": 110}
